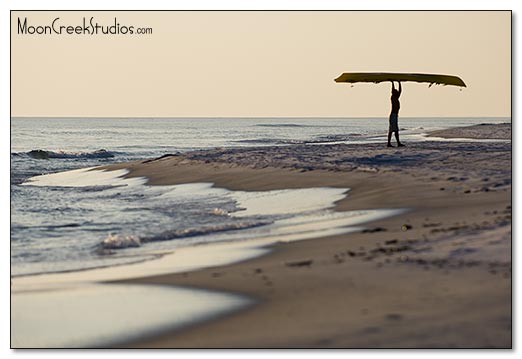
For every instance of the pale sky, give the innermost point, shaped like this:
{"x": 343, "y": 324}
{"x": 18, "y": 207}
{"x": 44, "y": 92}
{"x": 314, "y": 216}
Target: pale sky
{"x": 250, "y": 64}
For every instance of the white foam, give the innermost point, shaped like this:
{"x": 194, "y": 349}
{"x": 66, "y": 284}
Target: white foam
{"x": 114, "y": 241}
{"x": 85, "y": 177}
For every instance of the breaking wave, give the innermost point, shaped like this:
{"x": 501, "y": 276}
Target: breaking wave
{"x": 118, "y": 241}
{"x": 121, "y": 241}
{"x": 45, "y": 154}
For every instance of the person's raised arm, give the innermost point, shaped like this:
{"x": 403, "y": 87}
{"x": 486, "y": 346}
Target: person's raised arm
{"x": 400, "y": 88}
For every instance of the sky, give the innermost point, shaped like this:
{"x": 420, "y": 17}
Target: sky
{"x": 260, "y": 64}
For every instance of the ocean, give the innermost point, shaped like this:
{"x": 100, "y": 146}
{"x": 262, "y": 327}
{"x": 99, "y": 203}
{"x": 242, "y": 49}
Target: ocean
{"x": 60, "y": 225}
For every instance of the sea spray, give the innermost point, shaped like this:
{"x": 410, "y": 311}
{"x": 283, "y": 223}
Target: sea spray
{"x": 117, "y": 241}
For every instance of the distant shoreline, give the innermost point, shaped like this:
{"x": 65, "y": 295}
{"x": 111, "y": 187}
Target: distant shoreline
{"x": 482, "y": 131}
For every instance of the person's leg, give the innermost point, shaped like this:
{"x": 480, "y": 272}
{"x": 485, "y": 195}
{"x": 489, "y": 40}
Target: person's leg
{"x": 389, "y": 139}
{"x": 399, "y": 144}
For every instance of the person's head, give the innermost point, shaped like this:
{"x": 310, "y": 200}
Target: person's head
{"x": 395, "y": 93}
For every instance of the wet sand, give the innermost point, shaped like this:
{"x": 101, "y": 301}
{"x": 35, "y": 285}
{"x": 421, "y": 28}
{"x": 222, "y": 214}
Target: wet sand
{"x": 483, "y": 131}
{"x": 436, "y": 276}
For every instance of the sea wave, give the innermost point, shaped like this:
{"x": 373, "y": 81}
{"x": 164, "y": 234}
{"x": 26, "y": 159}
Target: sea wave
{"x": 47, "y": 154}
{"x": 200, "y": 231}
{"x": 281, "y": 125}
{"x": 271, "y": 141}
{"x": 317, "y": 139}
{"x": 121, "y": 241}
{"x": 118, "y": 241}
{"x": 335, "y": 138}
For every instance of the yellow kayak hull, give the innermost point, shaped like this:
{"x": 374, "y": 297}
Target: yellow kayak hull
{"x": 377, "y": 77}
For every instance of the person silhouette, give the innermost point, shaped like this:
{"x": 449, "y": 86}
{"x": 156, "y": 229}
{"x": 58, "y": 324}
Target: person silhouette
{"x": 394, "y": 115}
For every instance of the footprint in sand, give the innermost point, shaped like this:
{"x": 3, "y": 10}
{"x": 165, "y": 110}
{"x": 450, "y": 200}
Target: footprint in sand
{"x": 394, "y": 316}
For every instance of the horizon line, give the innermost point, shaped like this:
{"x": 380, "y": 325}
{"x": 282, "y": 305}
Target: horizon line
{"x": 254, "y": 117}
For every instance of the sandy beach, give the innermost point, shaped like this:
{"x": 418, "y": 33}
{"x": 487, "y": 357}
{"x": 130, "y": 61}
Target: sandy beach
{"x": 437, "y": 276}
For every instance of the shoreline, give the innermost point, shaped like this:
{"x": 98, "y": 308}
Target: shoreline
{"x": 368, "y": 289}
{"x": 375, "y": 259}
{"x": 431, "y": 277}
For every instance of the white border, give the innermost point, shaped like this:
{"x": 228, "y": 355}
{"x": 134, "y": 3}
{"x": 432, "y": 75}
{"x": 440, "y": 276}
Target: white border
{"x": 7, "y": 5}
{"x": 262, "y": 5}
